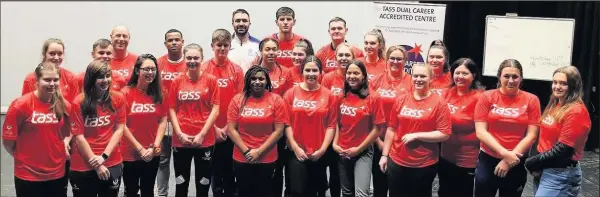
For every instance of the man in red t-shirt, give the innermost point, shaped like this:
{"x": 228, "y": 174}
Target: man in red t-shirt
{"x": 286, "y": 19}
{"x": 337, "y": 30}
{"x": 122, "y": 60}
{"x": 103, "y": 50}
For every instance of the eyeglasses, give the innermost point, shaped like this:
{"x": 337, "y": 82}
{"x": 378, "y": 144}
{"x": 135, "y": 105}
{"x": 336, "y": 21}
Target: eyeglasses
{"x": 149, "y": 69}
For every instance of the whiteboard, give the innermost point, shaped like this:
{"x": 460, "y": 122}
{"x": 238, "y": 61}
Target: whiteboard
{"x": 540, "y": 44}
{"x": 25, "y": 26}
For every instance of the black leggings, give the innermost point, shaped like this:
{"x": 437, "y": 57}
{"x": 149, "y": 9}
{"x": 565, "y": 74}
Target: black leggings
{"x": 487, "y": 183}
{"x": 50, "y": 188}
{"x": 140, "y": 176}
{"x": 308, "y": 177}
{"x": 278, "y": 178}
{"x": 455, "y": 180}
{"x": 182, "y": 162}
{"x": 253, "y": 179}
{"x": 405, "y": 181}
{"x": 223, "y": 183}
{"x": 380, "y": 185}
{"x": 87, "y": 183}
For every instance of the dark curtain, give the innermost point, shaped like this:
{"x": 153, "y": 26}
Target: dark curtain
{"x": 464, "y": 34}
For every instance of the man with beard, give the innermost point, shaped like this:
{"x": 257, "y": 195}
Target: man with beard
{"x": 244, "y": 47}
{"x": 171, "y": 65}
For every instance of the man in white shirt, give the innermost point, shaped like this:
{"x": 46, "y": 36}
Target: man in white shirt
{"x": 244, "y": 48}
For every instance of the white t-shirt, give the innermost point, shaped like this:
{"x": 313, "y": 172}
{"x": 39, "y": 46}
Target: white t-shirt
{"x": 244, "y": 53}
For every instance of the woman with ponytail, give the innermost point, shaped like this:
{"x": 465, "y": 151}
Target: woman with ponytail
{"x": 96, "y": 162}
{"x": 374, "y": 53}
{"x": 41, "y": 118}
{"x": 438, "y": 59}
{"x": 302, "y": 49}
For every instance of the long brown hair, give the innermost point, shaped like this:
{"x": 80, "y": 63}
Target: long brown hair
{"x": 95, "y": 70}
{"x": 57, "y": 105}
{"x": 574, "y": 94}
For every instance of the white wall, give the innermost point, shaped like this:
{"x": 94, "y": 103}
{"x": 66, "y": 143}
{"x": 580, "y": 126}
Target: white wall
{"x": 25, "y": 26}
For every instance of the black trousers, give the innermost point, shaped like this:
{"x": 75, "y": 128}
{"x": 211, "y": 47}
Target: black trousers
{"x": 254, "y": 179}
{"x": 87, "y": 183}
{"x": 223, "y": 182}
{"x": 487, "y": 184}
{"x": 308, "y": 177}
{"x": 380, "y": 185}
{"x": 455, "y": 180}
{"x": 140, "y": 176}
{"x": 50, "y": 188}
{"x": 331, "y": 159}
{"x": 182, "y": 162}
{"x": 283, "y": 155}
{"x": 405, "y": 181}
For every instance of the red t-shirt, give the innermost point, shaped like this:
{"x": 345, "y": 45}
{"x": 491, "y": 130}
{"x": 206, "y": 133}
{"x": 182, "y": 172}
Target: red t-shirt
{"x": 230, "y": 80}
{"x": 40, "y": 151}
{"x": 335, "y": 83}
{"x": 357, "y": 119}
{"x": 124, "y": 66}
{"x": 143, "y": 118}
{"x": 256, "y": 122}
{"x": 98, "y": 130}
{"x": 68, "y": 84}
{"x": 327, "y": 56}
{"x": 373, "y": 68}
{"x": 388, "y": 90}
{"x": 284, "y": 55}
{"x": 169, "y": 71}
{"x": 281, "y": 79}
{"x": 572, "y": 130}
{"x": 411, "y": 116}
{"x": 311, "y": 113}
{"x": 193, "y": 102}
{"x": 117, "y": 81}
{"x": 439, "y": 83}
{"x": 297, "y": 76}
{"x": 507, "y": 117}
{"x": 462, "y": 148}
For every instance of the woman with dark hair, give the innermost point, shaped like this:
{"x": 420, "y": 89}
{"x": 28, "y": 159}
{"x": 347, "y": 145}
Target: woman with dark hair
{"x": 506, "y": 123}
{"x": 438, "y": 59}
{"x": 256, "y": 119}
{"x": 459, "y": 153}
{"x": 359, "y": 121}
{"x": 193, "y": 102}
{"x": 564, "y": 130}
{"x": 309, "y": 102}
{"x": 375, "y": 50}
{"x": 418, "y": 121}
{"x": 145, "y": 128}
{"x": 302, "y": 49}
{"x": 96, "y": 161}
{"x": 40, "y": 119}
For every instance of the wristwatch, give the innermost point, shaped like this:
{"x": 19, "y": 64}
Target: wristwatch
{"x": 104, "y": 156}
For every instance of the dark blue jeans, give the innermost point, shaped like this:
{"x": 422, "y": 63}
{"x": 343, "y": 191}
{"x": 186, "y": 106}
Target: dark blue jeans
{"x": 487, "y": 183}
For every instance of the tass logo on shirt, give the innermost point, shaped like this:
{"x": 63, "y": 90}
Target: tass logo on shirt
{"x": 305, "y": 104}
{"x": 142, "y": 108}
{"x": 222, "y": 83}
{"x": 188, "y": 95}
{"x": 452, "y": 108}
{"x": 275, "y": 84}
{"x": 510, "y": 112}
{"x": 347, "y": 110}
{"x": 252, "y": 112}
{"x": 437, "y": 91}
{"x": 388, "y": 93}
{"x": 169, "y": 75}
{"x": 330, "y": 64}
{"x": 123, "y": 72}
{"x": 41, "y": 118}
{"x": 97, "y": 121}
{"x": 548, "y": 120}
{"x": 336, "y": 91}
{"x": 408, "y": 112}
{"x": 284, "y": 54}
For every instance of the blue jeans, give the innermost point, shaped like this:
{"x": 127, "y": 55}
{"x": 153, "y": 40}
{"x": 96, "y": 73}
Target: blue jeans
{"x": 559, "y": 182}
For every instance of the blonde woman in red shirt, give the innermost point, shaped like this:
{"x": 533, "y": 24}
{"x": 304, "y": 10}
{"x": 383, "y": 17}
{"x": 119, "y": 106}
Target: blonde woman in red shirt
{"x": 506, "y": 123}
{"x": 418, "y": 122}
{"x": 374, "y": 53}
{"x": 564, "y": 130}
{"x": 146, "y": 124}
{"x": 40, "y": 119}
{"x": 361, "y": 116}
{"x": 256, "y": 120}
{"x": 459, "y": 153}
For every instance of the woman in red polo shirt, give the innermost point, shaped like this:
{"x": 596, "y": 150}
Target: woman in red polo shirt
{"x": 418, "y": 122}
{"x": 388, "y": 86}
{"x": 334, "y": 81}
{"x": 301, "y": 50}
{"x": 96, "y": 161}
{"x": 459, "y": 153}
{"x": 438, "y": 58}
{"x": 563, "y": 133}
{"x": 506, "y": 123}
{"x": 146, "y": 124}
{"x": 374, "y": 51}
{"x": 256, "y": 119}
{"x": 360, "y": 118}
{"x": 311, "y": 125}
{"x": 41, "y": 118}
{"x": 281, "y": 76}
{"x": 193, "y": 101}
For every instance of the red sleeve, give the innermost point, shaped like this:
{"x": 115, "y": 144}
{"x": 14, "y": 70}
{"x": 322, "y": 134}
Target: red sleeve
{"x": 279, "y": 109}
{"x": 13, "y": 119}
{"x": 326, "y": 81}
{"x": 378, "y": 116}
{"x": 233, "y": 111}
{"x": 333, "y": 113}
{"x": 288, "y": 102}
{"x": 126, "y": 95}
{"x": 172, "y": 95}
{"x": 28, "y": 86}
{"x": 215, "y": 97}
{"x": 319, "y": 55}
{"x": 482, "y": 108}
{"x": 121, "y": 108}
{"x": 77, "y": 117}
{"x": 443, "y": 118}
{"x": 572, "y": 128}
{"x": 393, "y": 123}
{"x": 534, "y": 110}
{"x": 358, "y": 53}
{"x": 289, "y": 81}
